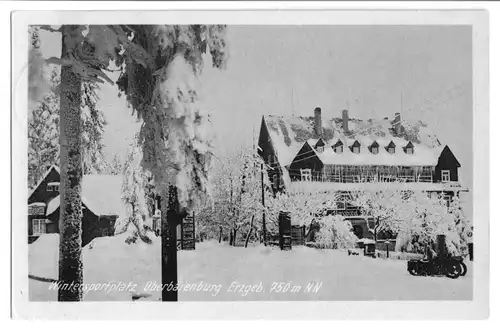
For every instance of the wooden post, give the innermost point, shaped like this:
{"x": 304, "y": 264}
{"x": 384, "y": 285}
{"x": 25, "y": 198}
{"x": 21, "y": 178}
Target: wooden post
{"x": 171, "y": 216}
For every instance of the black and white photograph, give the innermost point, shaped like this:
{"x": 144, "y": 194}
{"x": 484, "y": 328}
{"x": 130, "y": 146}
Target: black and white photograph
{"x": 266, "y": 162}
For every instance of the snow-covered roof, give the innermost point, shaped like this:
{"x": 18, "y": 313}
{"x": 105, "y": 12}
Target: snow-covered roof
{"x": 289, "y": 133}
{"x": 37, "y": 204}
{"x": 100, "y": 193}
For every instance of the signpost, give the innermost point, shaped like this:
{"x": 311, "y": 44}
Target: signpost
{"x": 188, "y": 237}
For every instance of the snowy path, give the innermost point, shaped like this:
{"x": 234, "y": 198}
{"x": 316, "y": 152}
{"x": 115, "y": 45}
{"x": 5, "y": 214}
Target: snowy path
{"x": 341, "y": 277}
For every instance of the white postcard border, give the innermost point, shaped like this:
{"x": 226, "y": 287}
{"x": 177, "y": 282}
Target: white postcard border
{"x": 476, "y": 309}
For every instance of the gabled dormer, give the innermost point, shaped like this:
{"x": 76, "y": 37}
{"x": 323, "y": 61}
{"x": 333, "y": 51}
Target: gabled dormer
{"x": 306, "y": 160}
{"x": 447, "y": 166}
{"x": 409, "y": 149}
{"x": 391, "y": 148}
{"x": 356, "y": 147}
{"x": 320, "y": 146}
{"x": 374, "y": 148}
{"x": 338, "y": 147}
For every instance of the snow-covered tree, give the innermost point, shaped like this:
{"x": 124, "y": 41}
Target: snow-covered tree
{"x": 43, "y": 131}
{"x": 133, "y": 196}
{"x": 115, "y": 166}
{"x": 304, "y": 208}
{"x": 423, "y": 218}
{"x": 43, "y": 136}
{"x": 85, "y": 52}
{"x": 335, "y": 233}
{"x": 236, "y": 203}
{"x": 379, "y": 206}
{"x": 160, "y": 79}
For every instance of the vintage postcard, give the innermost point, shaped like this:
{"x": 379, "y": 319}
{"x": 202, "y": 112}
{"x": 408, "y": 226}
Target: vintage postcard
{"x": 291, "y": 164}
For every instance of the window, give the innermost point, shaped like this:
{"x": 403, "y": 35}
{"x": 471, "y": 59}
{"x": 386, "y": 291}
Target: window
{"x": 339, "y": 149}
{"x": 305, "y": 174}
{"x": 374, "y": 150}
{"x": 409, "y": 151}
{"x": 445, "y": 175}
{"x": 391, "y": 150}
{"x": 447, "y": 199}
{"x": 320, "y": 149}
{"x": 53, "y": 186}
{"x": 355, "y": 150}
{"x": 38, "y": 227}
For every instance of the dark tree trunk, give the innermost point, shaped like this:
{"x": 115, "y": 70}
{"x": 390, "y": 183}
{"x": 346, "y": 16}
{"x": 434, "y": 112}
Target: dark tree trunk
{"x": 230, "y": 237}
{"x": 220, "y": 235}
{"x": 249, "y": 232}
{"x": 170, "y": 217}
{"x": 234, "y": 237}
{"x": 70, "y": 220}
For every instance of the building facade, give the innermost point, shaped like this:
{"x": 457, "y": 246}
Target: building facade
{"x": 308, "y": 154}
{"x": 101, "y": 205}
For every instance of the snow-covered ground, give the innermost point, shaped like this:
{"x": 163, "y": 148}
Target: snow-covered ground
{"x": 226, "y": 273}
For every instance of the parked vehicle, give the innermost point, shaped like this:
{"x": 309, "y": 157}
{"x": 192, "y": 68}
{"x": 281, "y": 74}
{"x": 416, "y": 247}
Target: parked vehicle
{"x": 451, "y": 267}
{"x": 462, "y": 265}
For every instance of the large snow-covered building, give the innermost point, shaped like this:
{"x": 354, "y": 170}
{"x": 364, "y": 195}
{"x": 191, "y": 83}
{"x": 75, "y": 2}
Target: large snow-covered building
{"x": 101, "y": 204}
{"x": 306, "y": 154}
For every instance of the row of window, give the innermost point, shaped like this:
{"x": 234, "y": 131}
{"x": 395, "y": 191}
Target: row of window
{"x": 356, "y": 147}
{"x": 306, "y": 175}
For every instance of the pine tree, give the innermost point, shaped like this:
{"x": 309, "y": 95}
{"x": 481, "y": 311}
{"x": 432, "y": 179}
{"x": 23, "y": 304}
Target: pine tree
{"x": 70, "y": 223}
{"x": 81, "y": 62}
{"x": 43, "y": 137}
{"x": 133, "y": 194}
{"x": 161, "y": 84}
{"x": 43, "y": 132}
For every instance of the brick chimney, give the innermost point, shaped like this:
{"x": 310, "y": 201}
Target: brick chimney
{"x": 317, "y": 123}
{"x": 345, "y": 120}
{"x": 397, "y": 123}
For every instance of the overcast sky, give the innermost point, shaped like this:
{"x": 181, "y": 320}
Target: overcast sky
{"x": 367, "y": 68}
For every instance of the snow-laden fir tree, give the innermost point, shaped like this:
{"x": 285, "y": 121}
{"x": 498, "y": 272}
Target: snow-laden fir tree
{"x": 43, "y": 131}
{"x": 115, "y": 166}
{"x": 83, "y": 57}
{"x": 160, "y": 80}
{"x": 133, "y": 196}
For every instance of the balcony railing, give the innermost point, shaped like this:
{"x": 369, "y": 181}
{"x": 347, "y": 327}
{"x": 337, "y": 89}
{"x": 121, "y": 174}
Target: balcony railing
{"x": 336, "y": 178}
